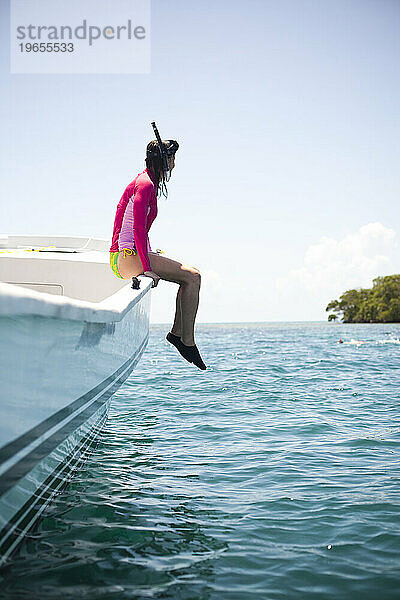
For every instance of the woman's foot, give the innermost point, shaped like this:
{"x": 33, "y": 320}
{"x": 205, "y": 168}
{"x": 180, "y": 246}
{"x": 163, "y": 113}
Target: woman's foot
{"x": 173, "y": 339}
{"x": 189, "y": 353}
{"x": 192, "y": 354}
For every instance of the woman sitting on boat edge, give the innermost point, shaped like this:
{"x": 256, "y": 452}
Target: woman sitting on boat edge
{"x": 131, "y": 254}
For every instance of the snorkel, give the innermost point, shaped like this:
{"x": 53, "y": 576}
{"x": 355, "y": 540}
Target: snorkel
{"x": 162, "y": 150}
{"x": 167, "y": 149}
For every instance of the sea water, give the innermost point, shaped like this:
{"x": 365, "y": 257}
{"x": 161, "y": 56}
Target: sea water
{"x": 273, "y": 474}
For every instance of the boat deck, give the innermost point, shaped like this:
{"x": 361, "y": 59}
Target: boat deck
{"x": 75, "y": 267}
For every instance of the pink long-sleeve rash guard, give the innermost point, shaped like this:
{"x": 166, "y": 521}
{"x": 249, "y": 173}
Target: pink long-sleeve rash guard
{"x": 136, "y": 211}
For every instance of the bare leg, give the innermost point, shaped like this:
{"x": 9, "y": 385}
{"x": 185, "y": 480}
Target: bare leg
{"x": 189, "y": 306}
{"x": 188, "y": 279}
{"x": 187, "y": 299}
{"x": 177, "y": 326}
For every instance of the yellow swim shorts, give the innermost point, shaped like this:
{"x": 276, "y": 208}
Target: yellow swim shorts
{"x": 114, "y": 260}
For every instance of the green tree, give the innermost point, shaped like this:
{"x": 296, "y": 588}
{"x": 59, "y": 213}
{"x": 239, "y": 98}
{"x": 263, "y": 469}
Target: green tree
{"x": 379, "y": 304}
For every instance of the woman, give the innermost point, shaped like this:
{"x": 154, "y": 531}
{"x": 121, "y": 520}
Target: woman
{"x": 131, "y": 254}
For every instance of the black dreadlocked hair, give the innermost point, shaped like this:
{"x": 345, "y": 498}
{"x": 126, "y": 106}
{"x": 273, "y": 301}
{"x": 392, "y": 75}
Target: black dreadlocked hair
{"x": 154, "y": 162}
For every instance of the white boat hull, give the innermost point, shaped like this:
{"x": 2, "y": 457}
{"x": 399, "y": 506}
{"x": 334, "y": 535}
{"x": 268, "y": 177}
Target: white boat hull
{"x": 61, "y": 361}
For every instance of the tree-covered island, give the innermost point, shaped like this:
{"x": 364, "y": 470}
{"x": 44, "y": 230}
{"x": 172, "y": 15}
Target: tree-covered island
{"x": 379, "y": 304}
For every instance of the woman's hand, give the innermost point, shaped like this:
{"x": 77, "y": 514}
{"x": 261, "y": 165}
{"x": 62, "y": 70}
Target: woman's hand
{"x": 154, "y": 277}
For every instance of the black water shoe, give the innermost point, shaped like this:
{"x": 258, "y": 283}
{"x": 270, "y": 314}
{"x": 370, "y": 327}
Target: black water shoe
{"x": 189, "y": 353}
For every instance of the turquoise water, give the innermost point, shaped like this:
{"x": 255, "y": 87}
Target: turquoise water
{"x": 274, "y": 474}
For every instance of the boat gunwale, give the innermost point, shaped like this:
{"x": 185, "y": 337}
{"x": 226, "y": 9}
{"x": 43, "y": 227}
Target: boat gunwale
{"x": 16, "y": 300}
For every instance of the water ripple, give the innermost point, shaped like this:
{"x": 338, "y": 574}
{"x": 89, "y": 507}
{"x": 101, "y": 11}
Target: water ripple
{"x": 275, "y": 474}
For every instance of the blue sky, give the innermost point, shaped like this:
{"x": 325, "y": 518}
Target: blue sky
{"x": 286, "y": 186}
